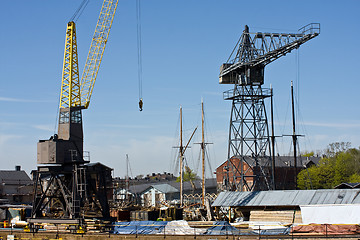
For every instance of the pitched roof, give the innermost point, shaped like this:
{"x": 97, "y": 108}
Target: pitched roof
{"x": 14, "y": 177}
{"x": 288, "y": 198}
{"x": 165, "y": 188}
{"x": 137, "y": 189}
{"x": 280, "y": 161}
{"x": 209, "y": 183}
{"x": 98, "y": 164}
{"x": 348, "y": 186}
{"x": 288, "y": 161}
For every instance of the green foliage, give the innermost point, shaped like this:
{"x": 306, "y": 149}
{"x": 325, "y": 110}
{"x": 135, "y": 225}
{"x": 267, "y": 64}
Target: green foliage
{"x": 355, "y": 178}
{"x": 307, "y": 154}
{"x": 342, "y": 164}
{"x": 188, "y": 175}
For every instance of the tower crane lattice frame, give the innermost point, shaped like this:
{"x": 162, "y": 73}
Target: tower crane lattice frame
{"x": 249, "y": 163}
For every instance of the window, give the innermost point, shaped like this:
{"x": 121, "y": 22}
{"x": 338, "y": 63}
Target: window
{"x": 64, "y": 117}
{"x": 76, "y": 116}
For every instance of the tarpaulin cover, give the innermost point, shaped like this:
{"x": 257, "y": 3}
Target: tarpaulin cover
{"x": 139, "y": 227}
{"x": 327, "y": 229}
{"x": 222, "y": 228}
{"x": 331, "y": 214}
{"x": 181, "y": 227}
{"x": 274, "y": 231}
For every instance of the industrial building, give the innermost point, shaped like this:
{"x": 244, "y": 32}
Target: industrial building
{"x": 322, "y": 206}
{"x": 284, "y": 170}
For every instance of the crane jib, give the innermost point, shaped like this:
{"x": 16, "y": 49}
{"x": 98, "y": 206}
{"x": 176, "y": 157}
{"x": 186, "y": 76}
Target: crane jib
{"x": 97, "y": 49}
{"x": 255, "y": 50}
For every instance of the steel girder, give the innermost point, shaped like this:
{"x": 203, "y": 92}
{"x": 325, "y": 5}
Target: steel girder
{"x": 249, "y": 143}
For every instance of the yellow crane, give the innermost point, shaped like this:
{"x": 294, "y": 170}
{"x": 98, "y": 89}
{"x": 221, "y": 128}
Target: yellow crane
{"x": 75, "y": 93}
{"x": 68, "y": 189}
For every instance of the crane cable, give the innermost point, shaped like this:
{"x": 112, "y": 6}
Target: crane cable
{"x": 79, "y": 11}
{"x": 138, "y": 23}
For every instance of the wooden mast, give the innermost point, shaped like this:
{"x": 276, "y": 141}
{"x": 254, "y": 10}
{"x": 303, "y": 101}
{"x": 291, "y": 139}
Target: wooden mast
{"x": 127, "y": 174}
{"x": 294, "y": 136}
{"x": 272, "y": 140}
{"x": 203, "y": 152}
{"x": 181, "y": 160}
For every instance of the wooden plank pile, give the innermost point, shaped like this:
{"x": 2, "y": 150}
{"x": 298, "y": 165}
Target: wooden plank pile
{"x": 285, "y": 216}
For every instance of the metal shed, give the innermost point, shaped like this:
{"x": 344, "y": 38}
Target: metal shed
{"x": 292, "y": 198}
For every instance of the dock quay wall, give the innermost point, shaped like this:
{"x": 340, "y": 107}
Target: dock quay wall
{"x": 20, "y": 235}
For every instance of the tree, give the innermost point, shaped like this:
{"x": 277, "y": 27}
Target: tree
{"x": 188, "y": 175}
{"x": 355, "y": 178}
{"x": 308, "y": 154}
{"x": 337, "y": 147}
{"x": 342, "y": 164}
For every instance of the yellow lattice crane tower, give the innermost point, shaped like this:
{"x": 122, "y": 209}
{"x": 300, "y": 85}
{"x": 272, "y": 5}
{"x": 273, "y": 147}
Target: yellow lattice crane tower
{"x": 62, "y": 155}
{"x": 70, "y": 87}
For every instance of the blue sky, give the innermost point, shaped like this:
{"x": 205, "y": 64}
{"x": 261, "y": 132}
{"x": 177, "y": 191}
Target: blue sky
{"x": 183, "y": 43}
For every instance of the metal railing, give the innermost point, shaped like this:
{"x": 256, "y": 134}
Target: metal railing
{"x": 311, "y": 28}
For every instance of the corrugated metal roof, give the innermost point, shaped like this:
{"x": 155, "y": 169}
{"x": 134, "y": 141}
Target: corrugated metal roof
{"x": 165, "y": 188}
{"x": 288, "y": 198}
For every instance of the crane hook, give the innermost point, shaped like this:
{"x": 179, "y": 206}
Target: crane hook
{"x": 140, "y": 104}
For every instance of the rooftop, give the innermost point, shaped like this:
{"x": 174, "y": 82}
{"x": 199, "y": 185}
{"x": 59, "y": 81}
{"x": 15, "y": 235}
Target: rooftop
{"x": 14, "y": 177}
{"x": 287, "y": 198}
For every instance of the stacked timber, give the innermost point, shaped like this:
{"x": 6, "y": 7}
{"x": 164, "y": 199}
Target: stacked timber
{"x": 56, "y": 227}
{"x": 285, "y": 216}
{"x": 93, "y": 225}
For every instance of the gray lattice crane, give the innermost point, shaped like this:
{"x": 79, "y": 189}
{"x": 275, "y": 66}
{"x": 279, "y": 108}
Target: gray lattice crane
{"x": 249, "y": 153}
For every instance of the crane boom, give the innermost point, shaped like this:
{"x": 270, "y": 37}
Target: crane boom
{"x": 96, "y": 51}
{"x": 255, "y": 50}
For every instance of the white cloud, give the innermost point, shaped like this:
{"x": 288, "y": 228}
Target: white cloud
{"x": 7, "y": 99}
{"x": 44, "y": 127}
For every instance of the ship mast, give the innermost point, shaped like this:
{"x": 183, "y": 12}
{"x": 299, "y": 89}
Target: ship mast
{"x": 203, "y": 146}
{"x": 203, "y": 152}
{"x": 294, "y": 136}
{"x": 127, "y": 174}
{"x": 182, "y": 150}
{"x": 181, "y": 160}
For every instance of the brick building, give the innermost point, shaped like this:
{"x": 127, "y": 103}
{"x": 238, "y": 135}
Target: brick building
{"x": 284, "y": 171}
